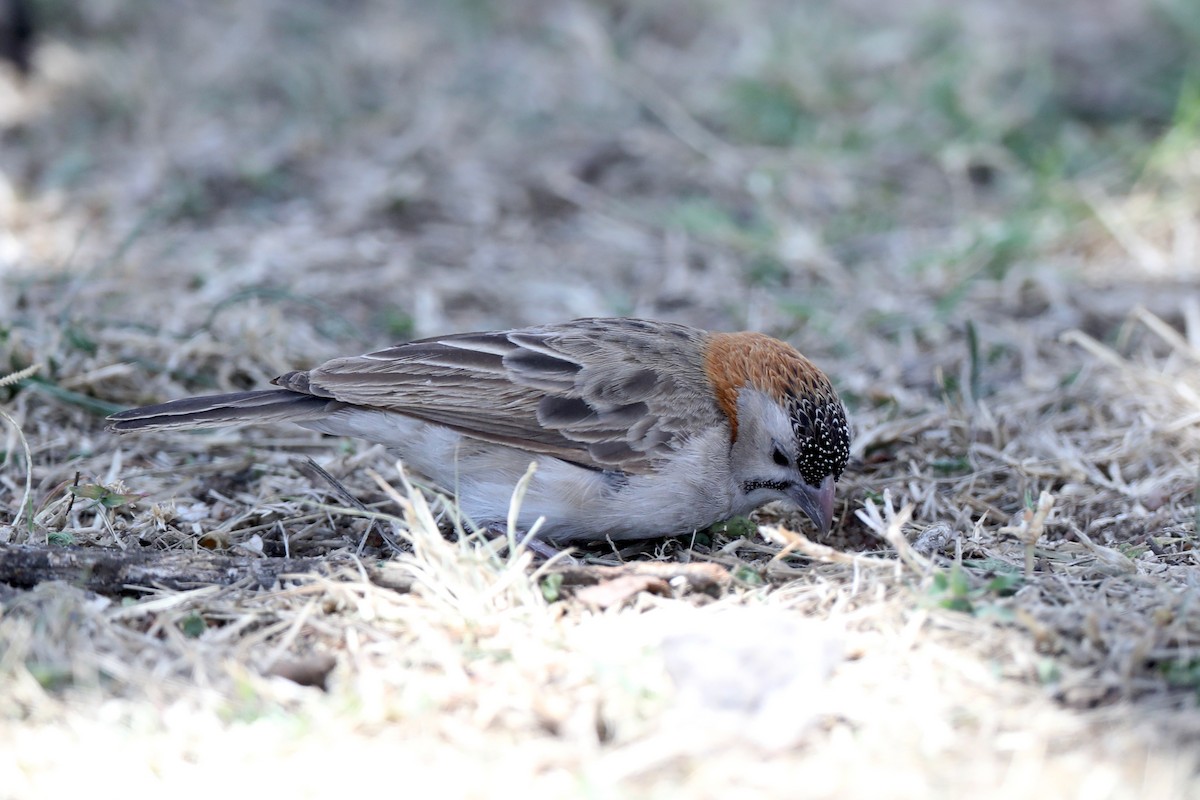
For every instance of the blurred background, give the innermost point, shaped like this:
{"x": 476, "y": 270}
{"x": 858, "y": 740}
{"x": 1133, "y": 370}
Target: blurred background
{"x": 299, "y": 178}
{"x": 197, "y": 196}
{"x": 981, "y": 217}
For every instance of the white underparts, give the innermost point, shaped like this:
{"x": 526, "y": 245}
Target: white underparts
{"x": 692, "y": 490}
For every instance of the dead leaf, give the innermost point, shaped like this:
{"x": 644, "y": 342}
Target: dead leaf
{"x": 621, "y": 590}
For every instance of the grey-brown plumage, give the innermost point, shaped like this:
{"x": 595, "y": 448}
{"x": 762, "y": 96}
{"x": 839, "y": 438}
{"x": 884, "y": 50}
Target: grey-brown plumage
{"x": 629, "y": 419}
{"x": 267, "y": 405}
{"x": 561, "y": 390}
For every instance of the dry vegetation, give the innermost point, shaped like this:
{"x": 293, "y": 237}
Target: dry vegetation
{"x": 983, "y": 219}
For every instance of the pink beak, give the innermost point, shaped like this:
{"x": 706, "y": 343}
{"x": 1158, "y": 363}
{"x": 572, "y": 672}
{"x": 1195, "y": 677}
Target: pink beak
{"x": 817, "y": 502}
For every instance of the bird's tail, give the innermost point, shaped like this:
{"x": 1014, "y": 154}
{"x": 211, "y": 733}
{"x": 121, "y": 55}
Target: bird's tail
{"x": 238, "y": 408}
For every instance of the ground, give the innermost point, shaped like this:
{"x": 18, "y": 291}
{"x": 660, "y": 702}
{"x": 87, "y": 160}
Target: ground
{"x": 981, "y": 219}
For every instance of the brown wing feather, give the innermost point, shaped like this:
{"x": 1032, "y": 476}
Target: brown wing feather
{"x": 609, "y": 393}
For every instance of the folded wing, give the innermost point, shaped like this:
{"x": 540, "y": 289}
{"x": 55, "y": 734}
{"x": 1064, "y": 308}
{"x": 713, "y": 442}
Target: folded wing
{"x": 606, "y": 393}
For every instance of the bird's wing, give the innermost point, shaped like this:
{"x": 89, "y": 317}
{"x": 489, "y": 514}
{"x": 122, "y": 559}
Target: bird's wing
{"x": 610, "y": 394}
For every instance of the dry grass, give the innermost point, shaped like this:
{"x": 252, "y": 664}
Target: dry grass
{"x": 989, "y": 238}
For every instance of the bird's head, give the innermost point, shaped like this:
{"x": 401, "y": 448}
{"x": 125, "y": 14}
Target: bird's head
{"x": 790, "y": 439}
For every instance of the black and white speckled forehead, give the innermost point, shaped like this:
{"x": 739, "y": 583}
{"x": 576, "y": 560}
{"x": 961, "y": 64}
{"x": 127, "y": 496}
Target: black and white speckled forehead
{"x": 822, "y": 437}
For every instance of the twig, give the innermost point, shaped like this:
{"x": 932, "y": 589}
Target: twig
{"x": 889, "y": 525}
{"x": 1031, "y": 527}
{"x": 1165, "y": 332}
{"x": 25, "y": 495}
{"x": 19, "y": 375}
{"x": 1138, "y": 247}
{"x": 794, "y": 542}
{"x": 115, "y": 572}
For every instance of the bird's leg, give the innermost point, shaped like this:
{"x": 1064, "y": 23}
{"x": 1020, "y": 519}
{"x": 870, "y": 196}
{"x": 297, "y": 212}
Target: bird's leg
{"x": 534, "y": 544}
{"x": 548, "y": 551}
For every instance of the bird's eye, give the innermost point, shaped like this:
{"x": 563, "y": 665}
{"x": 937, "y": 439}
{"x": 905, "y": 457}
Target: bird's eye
{"x": 781, "y": 458}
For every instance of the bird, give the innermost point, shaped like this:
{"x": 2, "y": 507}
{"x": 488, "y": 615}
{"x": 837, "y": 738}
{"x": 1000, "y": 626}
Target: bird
{"x": 640, "y": 429}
